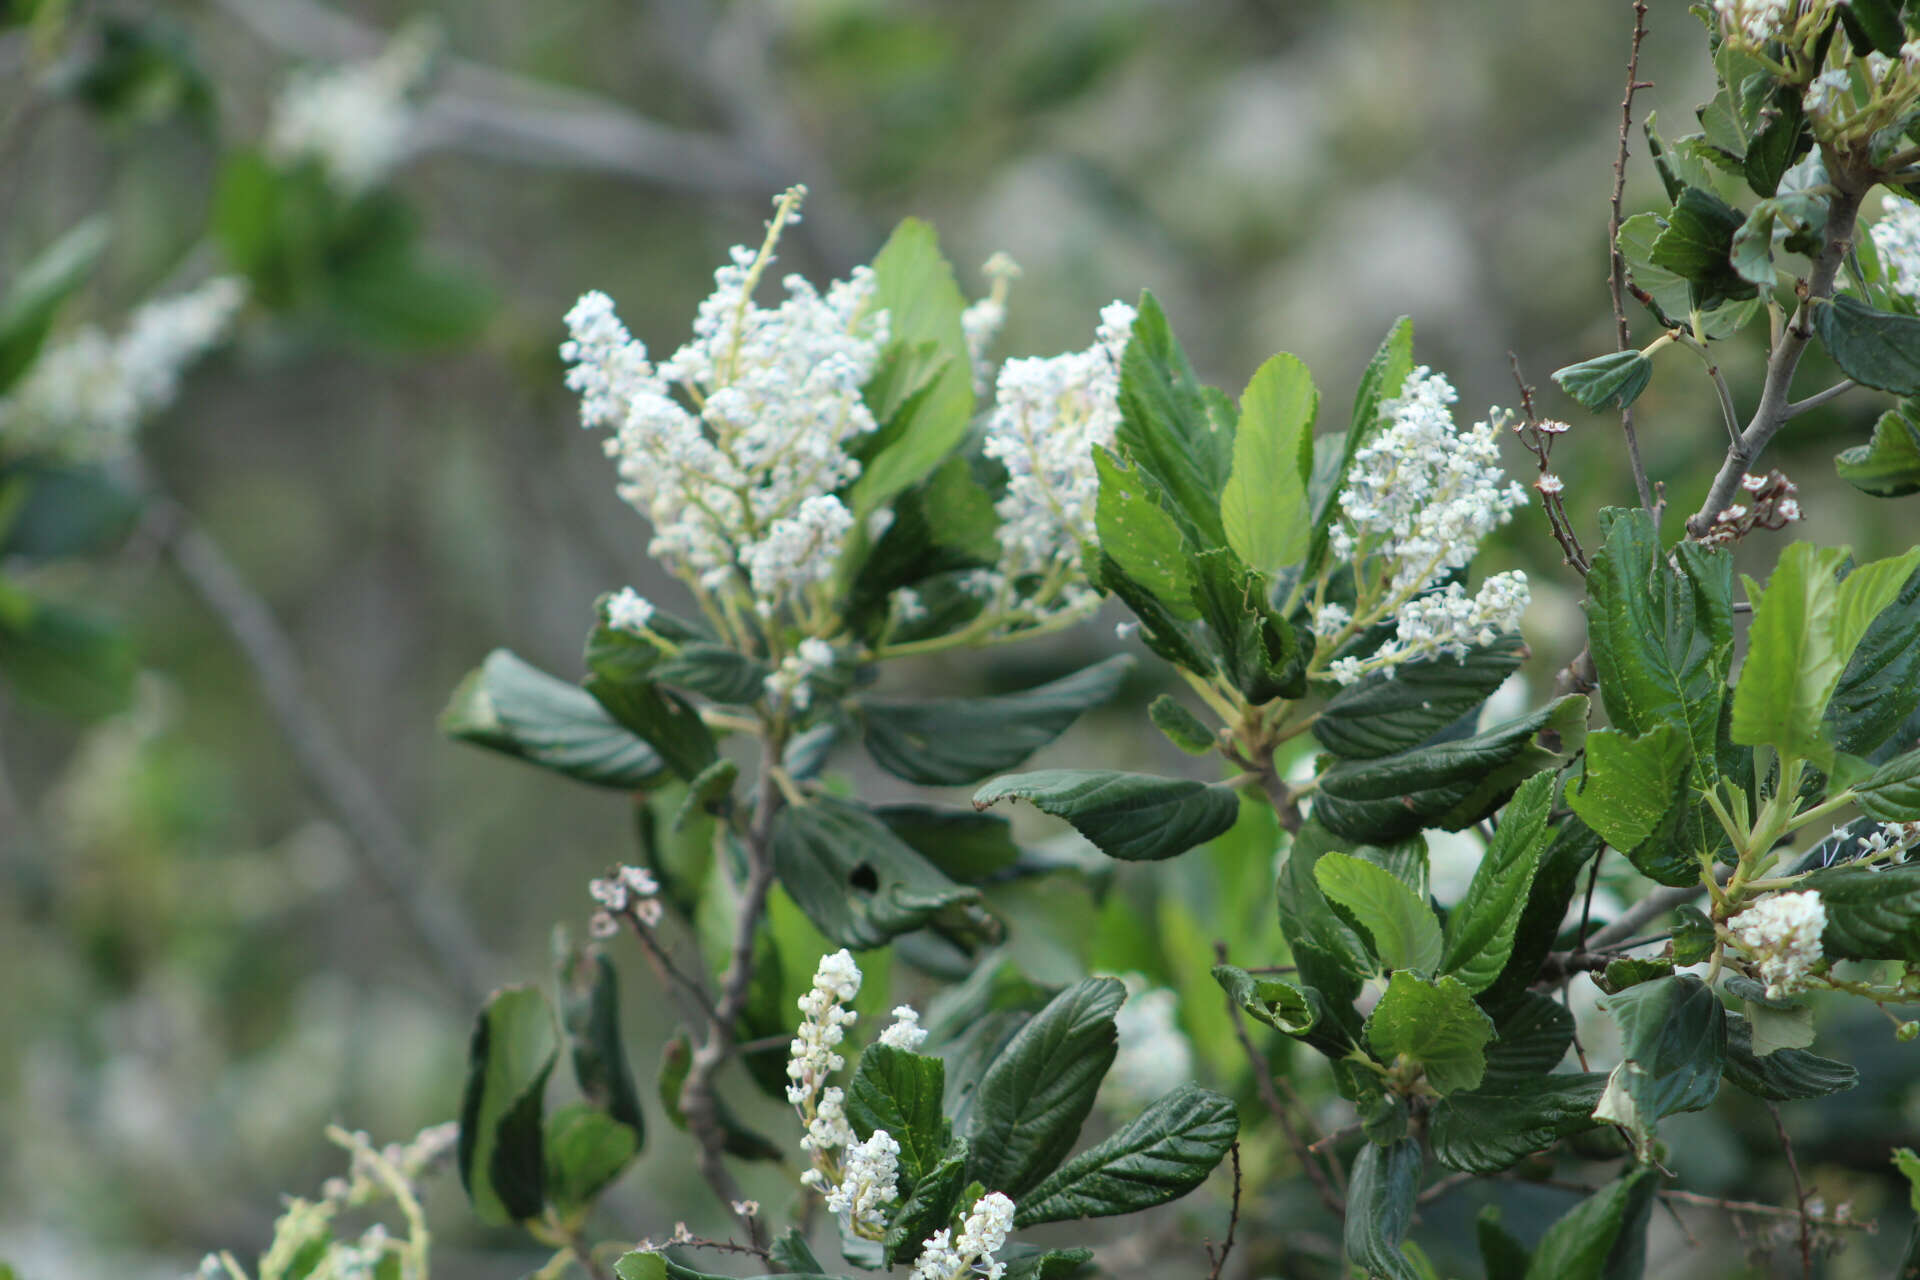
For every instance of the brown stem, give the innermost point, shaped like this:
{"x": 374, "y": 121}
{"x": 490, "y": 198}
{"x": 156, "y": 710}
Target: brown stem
{"x": 697, "y": 1099}
{"x": 1799, "y": 1193}
{"x": 1617, "y": 263}
{"x": 1233, "y": 1221}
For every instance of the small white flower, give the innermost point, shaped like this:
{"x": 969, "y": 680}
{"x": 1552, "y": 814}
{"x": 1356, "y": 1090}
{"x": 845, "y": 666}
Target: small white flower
{"x": 1551, "y": 427}
{"x": 824, "y": 1025}
{"x": 906, "y": 1031}
{"x": 629, "y": 611}
{"x": 747, "y": 1208}
{"x": 982, "y": 1235}
{"x": 1787, "y": 509}
{"x": 602, "y": 924}
{"x": 1549, "y": 483}
{"x": 1896, "y": 242}
{"x": 1781, "y": 934}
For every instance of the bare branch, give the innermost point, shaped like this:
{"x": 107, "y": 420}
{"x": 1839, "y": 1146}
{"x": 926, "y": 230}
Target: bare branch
{"x": 387, "y": 856}
{"x": 1799, "y": 1192}
{"x": 1617, "y": 263}
{"x": 1657, "y": 903}
{"x": 1219, "y": 1260}
{"x": 1819, "y": 398}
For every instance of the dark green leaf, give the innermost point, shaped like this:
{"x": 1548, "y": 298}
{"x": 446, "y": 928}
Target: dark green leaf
{"x": 1331, "y": 955}
{"x": 1131, "y": 816}
{"x": 502, "y": 1157}
{"x": 1384, "y": 379}
{"x": 1503, "y": 1256}
{"x": 1380, "y": 1197}
{"x": 1274, "y": 1001}
{"x": 63, "y": 659}
{"x": 1881, "y": 685}
{"x": 1671, "y": 295}
{"x": 1160, "y": 1155}
{"x": 1161, "y": 629}
{"x": 1874, "y": 348}
{"x": 930, "y": 1206}
{"x": 1871, "y": 915}
{"x": 1264, "y": 506}
{"x": 1779, "y": 138}
{"x": 790, "y": 1252}
{"x": 587, "y": 1149}
{"x": 1697, "y": 246}
{"x": 1888, "y": 465}
{"x": 1531, "y": 1039}
{"x": 1628, "y": 786}
{"x": 1166, "y": 430}
{"x": 1435, "y": 1024}
{"x": 1693, "y": 936}
{"x": 1182, "y": 727}
{"x": 48, "y": 511}
{"x": 1674, "y": 1039}
{"x": 1579, "y": 1245}
{"x": 859, "y": 883}
{"x": 968, "y": 846}
{"x": 900, "y": 1092}
{"x": 1616, "y": 378}
{"x": 1402, "y": 926}
{"x": 715, "y": 671}
{"x": 1450, "y": 784}
{"x": 1891, "y": 793}
{"x": 1134, "y": 529}
{"x": 668, "y": 722}
{"x": 1878, "y": 23}
{"x": 1488, "y": 1130}
{"x": 511, "y": 707}
{"x": 915, "y": 284}
{"x": 706, "y": 792}
{"x": 1574, "y": 844}
{"x": 1384, "y": 713}
{"x": 1258, "y": 652}
{"x": 32, "y": 300}
{"x": 590, "y": 1011}
{"x": 1027, "y": 1111}
{"x": 741, "y": 1142}
{"x": 1044, "y": 1264}
{"x": 1480, "y": 929}
{"x": 956, "y": 741}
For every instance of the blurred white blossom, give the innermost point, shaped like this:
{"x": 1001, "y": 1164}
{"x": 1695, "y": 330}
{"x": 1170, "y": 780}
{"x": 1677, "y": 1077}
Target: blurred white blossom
{"x": 355, "y": 120}
{"x": 1153, "y": 1054}
{"x": 1896, "y": 241}
{"x": 906, "y": 1031}
{"x": 1781, "y": 934}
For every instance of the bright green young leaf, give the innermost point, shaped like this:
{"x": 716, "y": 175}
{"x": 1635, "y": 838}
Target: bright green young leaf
{"x": 1674, "y": 1036}
{"x": 1480, "y": 929}
{"x": 33, "y": 298}
{"x": 1403, "y": 929}
{"x": 1486, "y": 1131}
{"x": 1387, "y": 713}
{"x": 1027, "y": 1111}
{"x": 1616, "y": 378}
{"x": 1629, "y": 784}
{"x": 1182, "y": 727}
{"x": 1435, "y": 1024}
{"x": 511, "y": 707}
{"x": 1793, "y": 661}
{"x": 1573, "y": 846}
{"x": 1380, "y": 1198}
{"x": 1864, "y": 594}
{"x": 915, "y": 284}
{"x": 901, "y": 1092}
{"x": 1909, "y": 1166}
{"x": 587, "y": 1149}
{"x": 860, "y": 884}
{"x": 1167, "y": 431}
{"x": 1670, "y": 293}
{"x": 1274, "y": 1001}
{"x": 1580, "y": 1245}
{"x": 502, "y": 1151}
{"x": 1131, "y": 816}
{"x": 1881, "y": 685}
{"x": 1264, "y": 506}
{"x": 1160, "y": 1155}
{"x": 1891, "y": 793}
{"x": 1385, "y": 376}
{"x": 1141, "y": 537}
{"x": 957, "y": 741}
{"x": 1874, "y": 348}
{"x": 1871, "y": 915}
{"x": 1888, "y": 465}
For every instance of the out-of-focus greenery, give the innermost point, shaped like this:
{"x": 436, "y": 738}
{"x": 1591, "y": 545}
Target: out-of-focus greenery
{"x": 197, "y": 977}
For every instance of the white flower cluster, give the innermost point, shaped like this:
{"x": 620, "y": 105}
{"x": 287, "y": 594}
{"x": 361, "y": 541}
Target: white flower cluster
{"x": 789, "y": 681}
{"x": 1781, "y": 933}
{"x": 735, "y": 446}
{"x": 629, "y": 611}
{"x": 906, "y": 1031}
{"x": 355, "y": 120}
{"x": 1830, "y": 97}
{"x": 631, "y": 889}
{"x": 981, "y": 322}
{"x": 868, "y": 1183}
{"x": 836, "y": 981}
{"x": 1421, "y": 496}
{"x": 1153, "y": 1055}
{"x": 1886, "y": 843}
{"x": 1048, "y": 416}
{"x": 981, "y": 1236}
{"x": 85, "y": 397}
{"x": 1896, "y": 241}
{"x": 1757, "y": 20}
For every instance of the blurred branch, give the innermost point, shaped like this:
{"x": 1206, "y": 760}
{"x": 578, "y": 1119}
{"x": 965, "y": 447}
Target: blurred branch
{"x": 1617, "y": 264}
{"x": 387, "y": 856}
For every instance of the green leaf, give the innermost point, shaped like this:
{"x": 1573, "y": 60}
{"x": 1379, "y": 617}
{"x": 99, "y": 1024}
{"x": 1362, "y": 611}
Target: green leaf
{"x": 1794, "y": 658}
{"x": 53, "y": 510}
{"x": 1785, "y": 1075}
{"x": 1138, "y": 533}
{"x": 915, "y": 285}
{"x": 1387, "y": 713}
{"x": 1864, "y": 594}
{"x": 1131, "y": 816}
{"x": 1380, "y": 1198}
{"x": 1616, "y": 378}
{"x": 1874, "y": 348}
{"x": 1027, "y": 1111}
{"x": 1501, "y": 1253}
{"x": 929, "y": 1206}
{"x": 1161, "y": 629}
{"x": 668, "y": 722}
{"x": 1274, "y": 1001}
{"x": 1580, "y": 1245}
{"x": 1670, "y": 293}
{"x": 1486, "y": 1130}
{"x": 968, "y": 846}
{"x": 1044, "y": 1264}
{"x": 1402, "y": 927}
{"x": 1264, "y": 506}
{"x": 860, "y": 884}
{"x": 1891, "y": 793}
{"x": 1909, "y": 1166}
{"x": 1182, "y": 727}
{"x": 901, "y": 1092}
{"x": 586, "y": 1150}
{"x": 63, "y": 659}
{"x": 1435, "y": 1024}
{"x": 1779, "y": 138}
{"x": 790, "y": 1252}
{"x": 1166, "y": 430}
{"x": 1888, "y": 465}
{"x": 1449, "y": 784}
{"x": 640, "y": 1265}
{"x": 1160, "y": 1155}
{"x": 1385, "y": 377}
{"x": 511, "y": 707}
{"x": 1257, "y": 649}
{"x": 1628, "y": 786}
{"x": 956, "y": 741}
{"x": 1693, "y": 935}
{"x": 1698, "y": 244}
{"x": 33, "y": 299}
{"x": 1674, "y": 1038}
{"x": 590, "y": 1012}
{"x": 741, "y": 1142}
{"x": 501, "y": 1154}
{"x": 715, "y": 671}
{"x": 1871, "y": 915}
{"x": 1331, "y": 955}
{"x": 1480, "y": 929}
{"x": 1881, "y": 685}
{"x": 1573, "y": 846}
{"x": 1532, "y": 1037}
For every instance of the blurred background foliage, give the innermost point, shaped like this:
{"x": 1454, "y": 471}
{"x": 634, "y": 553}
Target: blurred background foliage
{"x": 199, "y": 971}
